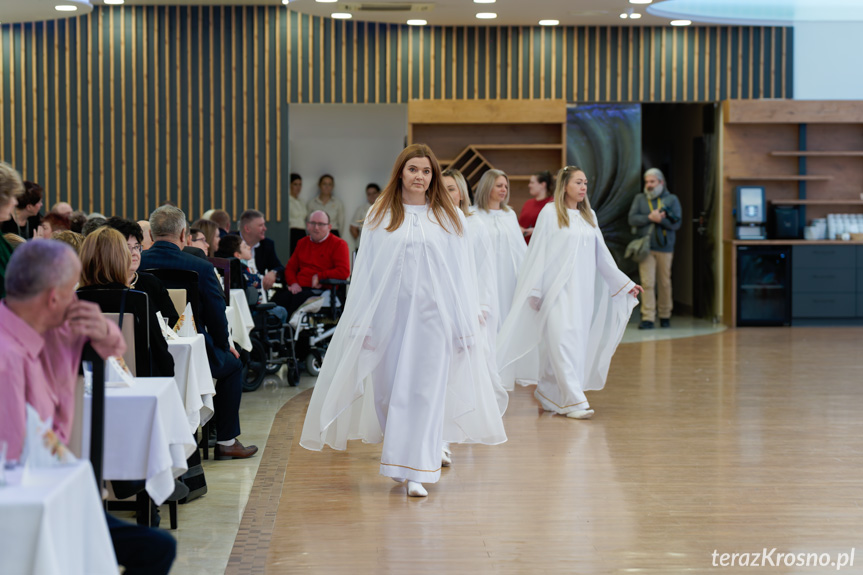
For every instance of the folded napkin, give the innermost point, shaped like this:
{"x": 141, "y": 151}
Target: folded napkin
{"x": 167, "y": 332}
{"x": 117, "y": 373}
{"x": 186, "y": 324}
{"x": 42, "y": 447}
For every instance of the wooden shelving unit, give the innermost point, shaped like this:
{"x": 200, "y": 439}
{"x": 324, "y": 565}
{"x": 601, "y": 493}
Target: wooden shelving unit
{"x": 817, "y": 154}
{"x": 798, "y": 178}
{"x": 518, "y": 137}
{"x": 817, "y": 202}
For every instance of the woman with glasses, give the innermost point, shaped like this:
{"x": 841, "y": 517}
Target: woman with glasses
{"x": 210, "y": 231}
{"x": 490, "y": 204}
{"x": 402, "y": 364}
{"x": 147, "y": 283}
{"x": 572, "y": 303}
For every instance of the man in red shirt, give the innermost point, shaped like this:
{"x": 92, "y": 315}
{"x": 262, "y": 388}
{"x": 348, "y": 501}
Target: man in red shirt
{"x": 318, "y": 256}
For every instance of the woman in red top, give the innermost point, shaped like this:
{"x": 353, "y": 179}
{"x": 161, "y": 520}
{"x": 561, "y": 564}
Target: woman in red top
{"x": 539, "y": 187}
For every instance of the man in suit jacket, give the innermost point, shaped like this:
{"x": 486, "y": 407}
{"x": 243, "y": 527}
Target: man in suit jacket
{"x": 168, "y": 226}
{"x": 253, "y": 229}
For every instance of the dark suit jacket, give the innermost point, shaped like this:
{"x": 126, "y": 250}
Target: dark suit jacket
{"x": 266, "y": 258}
{"x": 197, "y": 252}
{"x": 213, "y": 323}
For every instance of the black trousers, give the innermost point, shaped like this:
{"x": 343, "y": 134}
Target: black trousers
{"x": 228, "y": 371}
{"x": 141, "y": 550}
{"x": 291, "y": 301}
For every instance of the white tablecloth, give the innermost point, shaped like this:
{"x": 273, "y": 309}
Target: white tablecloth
{"x": 146, "y": 434}
{"x": 240, "y": 321}
{"x": 55, "y": 524}
{"x": 194, "y": 379}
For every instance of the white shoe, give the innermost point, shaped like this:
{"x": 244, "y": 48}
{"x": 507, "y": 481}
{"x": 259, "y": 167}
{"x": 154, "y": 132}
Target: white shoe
{"x": 445, "y": 458}
{"x": 580, "y": 414}
{"x": 416, "y": 489}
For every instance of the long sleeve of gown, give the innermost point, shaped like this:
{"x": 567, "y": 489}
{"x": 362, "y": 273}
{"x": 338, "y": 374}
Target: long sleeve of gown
{"x": 618, "y": 282}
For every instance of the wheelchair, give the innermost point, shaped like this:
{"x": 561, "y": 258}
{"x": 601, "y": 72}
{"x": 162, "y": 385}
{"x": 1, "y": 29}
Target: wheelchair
{"x": 312, "y": 328}
{"x": 272, "y": 346}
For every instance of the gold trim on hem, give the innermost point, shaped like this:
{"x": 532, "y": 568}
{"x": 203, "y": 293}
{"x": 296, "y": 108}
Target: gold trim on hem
{"x": 560, "y": 406}
{"x": 411, "y": 468}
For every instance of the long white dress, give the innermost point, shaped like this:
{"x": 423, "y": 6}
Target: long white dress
{"x": 403, "y": 366}
{"x": 584, "y": 306}
{"x": 509, "y": 248}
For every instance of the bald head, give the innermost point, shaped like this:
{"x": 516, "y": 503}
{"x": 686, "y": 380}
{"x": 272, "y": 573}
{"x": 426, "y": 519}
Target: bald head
{"x": 148, "y": 237}
{"x": 62, "y": 209}
{"x": 318, "y": 225}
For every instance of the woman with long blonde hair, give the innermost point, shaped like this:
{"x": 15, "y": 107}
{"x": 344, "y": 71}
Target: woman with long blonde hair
{"x": 401, "y": 366}
{"x": 490, "y": 204}
{"x": 572, "y": 303}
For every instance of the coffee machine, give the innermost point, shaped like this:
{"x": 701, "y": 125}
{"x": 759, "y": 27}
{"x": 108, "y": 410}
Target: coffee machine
{"x": 751, "y": 213}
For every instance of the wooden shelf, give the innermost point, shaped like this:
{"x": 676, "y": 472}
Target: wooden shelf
{"x": 818, "y": 154}
{"x": 818, "y": 202}
{"x": 807, "y": 178}
{"x": 518, "y": 146}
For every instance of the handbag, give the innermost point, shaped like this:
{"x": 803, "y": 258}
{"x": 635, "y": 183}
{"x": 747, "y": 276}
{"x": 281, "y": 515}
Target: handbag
{"x": 638, "y": 249}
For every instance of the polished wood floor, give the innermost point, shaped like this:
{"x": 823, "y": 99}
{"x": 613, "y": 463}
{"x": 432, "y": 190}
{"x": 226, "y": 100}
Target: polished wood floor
{"x": 734, "y": 442}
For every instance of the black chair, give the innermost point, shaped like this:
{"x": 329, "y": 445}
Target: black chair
{"x": 181, "y": 279}
{"x": 224, "y": 266}
{"x": 130, "y": 302}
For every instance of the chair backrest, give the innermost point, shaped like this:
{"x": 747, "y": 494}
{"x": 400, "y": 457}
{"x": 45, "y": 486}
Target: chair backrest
{"x": 182, "y": 279}
{"x": 136, "y": 319}
{"x": 238, "y": 280}
{"x": 178, "y": 298}
{"x": 224, "y": 268}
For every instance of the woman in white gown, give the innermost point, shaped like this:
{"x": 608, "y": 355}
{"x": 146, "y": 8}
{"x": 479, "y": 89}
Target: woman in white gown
{"x": 572, "y": 303}
{"x": 404, "y": 356}
{"x": 490, "y": 204}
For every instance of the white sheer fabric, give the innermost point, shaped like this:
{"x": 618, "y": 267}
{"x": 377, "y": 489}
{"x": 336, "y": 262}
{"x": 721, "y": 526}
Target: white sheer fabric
{"x": 509, "y": 248}
{"x": 404, "y": 366}
{"x": 584, "y": 306}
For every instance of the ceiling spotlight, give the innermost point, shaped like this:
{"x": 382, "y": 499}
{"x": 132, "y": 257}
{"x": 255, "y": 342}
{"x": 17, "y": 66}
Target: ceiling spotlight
{"x": 486, "y": 15}
{"x": 549, "y": 22}
{"x": 681, "y": 22}
{"x": 484, "y": 1}
{"x": 326, "y": 1}
{"x": 117, "y": 2}
{"x": 635, "y": 15}
{"x": 624, "y": 15}
{"x": 341, "y": 16}
{"x": 65, "y": 8}
{"x": 417, "y": 22}
{"x": 286, "y": 2}
{"x": 640, "y": 1}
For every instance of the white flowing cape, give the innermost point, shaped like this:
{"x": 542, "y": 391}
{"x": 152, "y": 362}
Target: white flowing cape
{"x": 509, "y": 249}
{"x": 550, "y": 262}
{"x": 342, "y": 404}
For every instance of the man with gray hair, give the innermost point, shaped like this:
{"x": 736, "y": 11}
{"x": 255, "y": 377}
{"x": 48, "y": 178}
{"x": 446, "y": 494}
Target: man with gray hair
{"x": 43, "y": 329}
{"x": 168, "y": 228}
{"x": 658, "y": 210}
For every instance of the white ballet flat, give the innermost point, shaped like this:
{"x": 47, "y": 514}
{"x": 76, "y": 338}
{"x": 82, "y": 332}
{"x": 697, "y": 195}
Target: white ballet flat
{"x": 580, "y": 414}
{"x": 416, "y": 489}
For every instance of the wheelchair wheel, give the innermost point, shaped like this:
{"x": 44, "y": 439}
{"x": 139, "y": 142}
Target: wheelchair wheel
{"x": 273, "y": 368}
{"x": 313, "y": 363}
{"x": 256, "y": 370}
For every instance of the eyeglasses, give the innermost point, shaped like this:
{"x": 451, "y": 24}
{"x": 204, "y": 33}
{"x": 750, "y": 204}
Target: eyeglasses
{"x": 318, "y": 224}
{"x": 134, "y": 249}
{"x": 199, "y": 239}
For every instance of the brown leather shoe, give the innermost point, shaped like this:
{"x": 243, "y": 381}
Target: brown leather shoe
{"x": 235, "y": 451}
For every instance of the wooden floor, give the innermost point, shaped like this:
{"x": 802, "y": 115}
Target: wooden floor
{"x": 731, "y": 442}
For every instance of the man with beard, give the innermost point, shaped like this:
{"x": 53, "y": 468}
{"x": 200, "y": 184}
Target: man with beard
{"x": 658, "y": 207}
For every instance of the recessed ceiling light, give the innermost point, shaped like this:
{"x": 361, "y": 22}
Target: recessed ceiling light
{"x": 286, "y": 2}
{"x": 624, "y": 15}
{"x": 114, "y": 1}
{"x": 484, "y": 1}
{"x": 549, "y": 22}
{"x": 326, "y": 1}
{"x": 417, "y": 22}
{"x": 341, "y": 16}
{"x": 640, "y": 1}
{"x": 486, "y": 15}
{"x": 65, "y": 8}
{"x": 681, "y": 22}
{"x": 635, "y": 15}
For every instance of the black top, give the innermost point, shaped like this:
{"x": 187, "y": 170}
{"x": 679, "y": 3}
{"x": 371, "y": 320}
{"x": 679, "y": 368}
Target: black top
{"x": 160, "y": 299}
{"x": 10, "y": 226}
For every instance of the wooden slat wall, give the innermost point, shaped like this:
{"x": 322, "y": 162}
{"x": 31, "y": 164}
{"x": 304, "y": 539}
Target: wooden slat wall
{"x": 128, "y": 107}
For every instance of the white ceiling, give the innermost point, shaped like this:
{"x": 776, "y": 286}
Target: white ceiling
{"x": 510, "y": 12}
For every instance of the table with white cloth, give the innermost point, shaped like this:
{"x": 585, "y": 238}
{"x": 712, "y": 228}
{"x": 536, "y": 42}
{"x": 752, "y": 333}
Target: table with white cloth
{"x": 240, "y": 322}
{"x": 54, "y": 524}
{"x": 147, "y": 434}
{"x": 194, "y": 379}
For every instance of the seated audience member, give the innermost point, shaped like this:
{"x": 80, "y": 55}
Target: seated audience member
{"x": 319, "y": 256}
{"x": 14, "y": 240}
{"x": 77, "y": 221}
{"x": 105, "y": 263}
{"x": 92, "y": 224}
{"x": 72, "y": 239}
{"x": 141, "y": 281}
{"x": 43, "y": 328}
{"x": 211, "y": 235}
{"x": 372, "y": 193}
{"x": 25, "y": 216}
{"x": 62, "y": 209}
{"x": 223, "y": 220}
{"x": 52, "y": 223}
{"x": 146, "y": 238}
{"x": 253, "y": 229}
{"x": 196, "y": 243}
{"x": 10, "y": 186}
{"x": 168, "y": 225}
{"x": 236, "y": 247}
